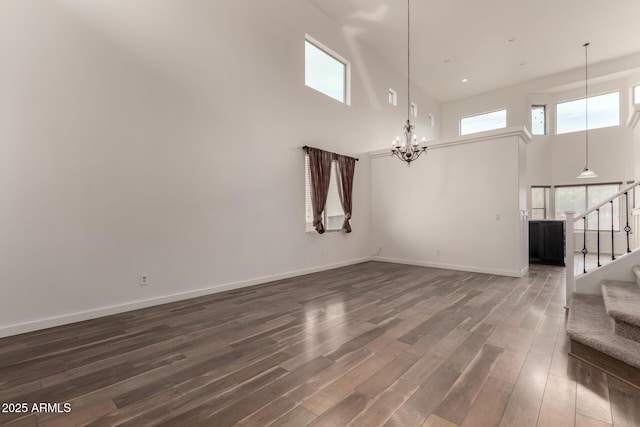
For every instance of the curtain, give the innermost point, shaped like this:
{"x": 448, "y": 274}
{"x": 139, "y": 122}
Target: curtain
{"x": 320, "y": 171}
{"x": 346, "y": 168}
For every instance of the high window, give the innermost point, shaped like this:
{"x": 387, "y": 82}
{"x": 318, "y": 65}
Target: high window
{"x": 538, "y": 120}
{"x": 393, "y": 97}
{"x": 539, "y": 202}
{"x": 414, "y": 110}
{"x": 579, "y": 198}
{"x": 483, "y": 122}
{"x": 636, "y": 94}
{"x": 333, "y": 214}
{"x": 325, "y": 71}
{"x": 604, "y": 111}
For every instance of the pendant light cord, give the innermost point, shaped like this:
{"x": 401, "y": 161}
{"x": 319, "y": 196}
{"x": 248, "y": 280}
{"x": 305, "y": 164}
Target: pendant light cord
{"x": 586, "y": 102}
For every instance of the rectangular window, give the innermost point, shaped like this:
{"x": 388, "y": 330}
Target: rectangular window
{"x": 539, "y": 202}
{"x": 636, "y": 94}
{"x": 333, "y": 214}
{"x": 483, "y": 122}
{"x": 325, "y": 71}
{"x": 604, "y": 111}
{"x": 580, "y": 198}
{"x": 393, "y": 97}
{"x": 538, "y": 120}
{"x": 414, "y": 110}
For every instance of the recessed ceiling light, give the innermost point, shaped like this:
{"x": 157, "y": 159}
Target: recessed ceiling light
{"x": 465, "y": 80}
{"x": 511, "y": 39}
{"x": 522, "y": 63}
{"x": 446, "y": 61}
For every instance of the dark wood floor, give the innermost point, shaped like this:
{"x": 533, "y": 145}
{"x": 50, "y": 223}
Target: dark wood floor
{"x": 367, "y": 345}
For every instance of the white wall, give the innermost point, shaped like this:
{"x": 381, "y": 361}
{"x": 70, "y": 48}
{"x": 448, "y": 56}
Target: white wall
{"x": 164, "y": 137}
{"x": 458, "y": 207}
{"x": 557, "y": 159}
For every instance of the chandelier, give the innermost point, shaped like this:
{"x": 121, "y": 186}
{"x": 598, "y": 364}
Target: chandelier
{"x": 408, "y": 150}
{"x": 586, "y": 172}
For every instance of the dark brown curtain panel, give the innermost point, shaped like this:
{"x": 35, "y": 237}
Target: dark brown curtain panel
{"x": 320, "y": 171}
{"x": 347, "y": 168}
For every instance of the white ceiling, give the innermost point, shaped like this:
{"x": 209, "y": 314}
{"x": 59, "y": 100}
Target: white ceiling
{"x": 473, "y": 35}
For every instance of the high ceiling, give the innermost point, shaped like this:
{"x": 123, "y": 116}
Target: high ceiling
{"x": 492, "y": 43}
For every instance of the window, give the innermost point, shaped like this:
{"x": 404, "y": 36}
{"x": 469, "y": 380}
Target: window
{"x": 414, "y": 110}
{"x": 539, "y": 202}
{"x": 325, "y": 71}
{"x": 538, "y": 120}
{"x": 482, "y": 122}
{"x": 604, "y": 111}
{"x": 333, "y": 214}
{"x": 393, "y": 97}
{"x": 636, "y": 94}
{"x": 580, "y": 198}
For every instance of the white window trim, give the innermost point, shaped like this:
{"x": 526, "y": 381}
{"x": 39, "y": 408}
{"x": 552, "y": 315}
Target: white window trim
{"x": 393, "y": 97}
{"x": 337, "y": 57}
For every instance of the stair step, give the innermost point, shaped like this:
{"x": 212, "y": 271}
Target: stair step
{"x": 636, "y": 271}
{"x": 589, "y": 328}
{"x": 622, "y": 302}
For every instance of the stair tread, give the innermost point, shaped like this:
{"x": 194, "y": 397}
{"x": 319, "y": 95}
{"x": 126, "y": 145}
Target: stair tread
{"x": 590, "y": 325}
{"x": 622, "y": 301}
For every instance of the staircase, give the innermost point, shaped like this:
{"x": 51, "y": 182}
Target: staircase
{"x": 605, "y": 330}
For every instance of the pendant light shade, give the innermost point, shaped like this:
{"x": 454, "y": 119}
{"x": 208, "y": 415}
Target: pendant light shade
{"x": 586, "y": 172}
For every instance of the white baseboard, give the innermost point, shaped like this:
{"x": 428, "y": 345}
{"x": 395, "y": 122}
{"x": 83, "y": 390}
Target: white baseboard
{"x": 473, "y": 269}
{"x": 65, "y": 319}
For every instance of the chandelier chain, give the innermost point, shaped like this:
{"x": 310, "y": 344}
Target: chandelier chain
{"x": 408, "y": 59}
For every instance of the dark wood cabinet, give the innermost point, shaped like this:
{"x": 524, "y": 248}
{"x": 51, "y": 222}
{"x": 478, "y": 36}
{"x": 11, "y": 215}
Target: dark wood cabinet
{"x": 546, "y": 242}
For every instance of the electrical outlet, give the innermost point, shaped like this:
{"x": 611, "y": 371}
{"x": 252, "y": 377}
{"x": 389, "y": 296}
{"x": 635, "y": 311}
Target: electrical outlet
{"x": 144, "y": 279}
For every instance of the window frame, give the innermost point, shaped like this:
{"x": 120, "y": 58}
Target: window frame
{"x": 547, "y": 201}
{"x": 506, "y": 116}
{"x": 338, "y": 58}
{"x": 544, "y": 119}
{"x": 617, "y": 224}
{"x": 557, "y": 121}
{"x": 393, "y": 97}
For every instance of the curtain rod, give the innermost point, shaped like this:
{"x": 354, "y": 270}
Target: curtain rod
{"x": 337, "y": 154}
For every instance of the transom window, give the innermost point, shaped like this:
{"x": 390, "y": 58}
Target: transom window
{"x": 579, "y": 198}
{"x": 604, "y": 111}
{"x": 483, "y": 122}
{"x": 538, "y": 120}
{"x": 325, "y": 71}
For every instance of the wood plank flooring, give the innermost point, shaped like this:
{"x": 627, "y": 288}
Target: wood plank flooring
{"x": 374, "y": 344}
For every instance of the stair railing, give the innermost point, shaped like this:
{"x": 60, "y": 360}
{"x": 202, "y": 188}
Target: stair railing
{"x": 571, "y": 220}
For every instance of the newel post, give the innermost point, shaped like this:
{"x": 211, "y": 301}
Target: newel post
{"x": 570, "y": 283}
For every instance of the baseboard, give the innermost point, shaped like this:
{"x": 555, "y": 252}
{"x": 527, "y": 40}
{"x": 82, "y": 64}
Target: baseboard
{"x": 36, "y": 325}
{"x": 473, "y": 269}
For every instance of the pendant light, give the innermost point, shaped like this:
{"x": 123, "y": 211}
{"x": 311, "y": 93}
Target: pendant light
{"x": 408, "y": 150}
{"x": 586, "y": 172}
